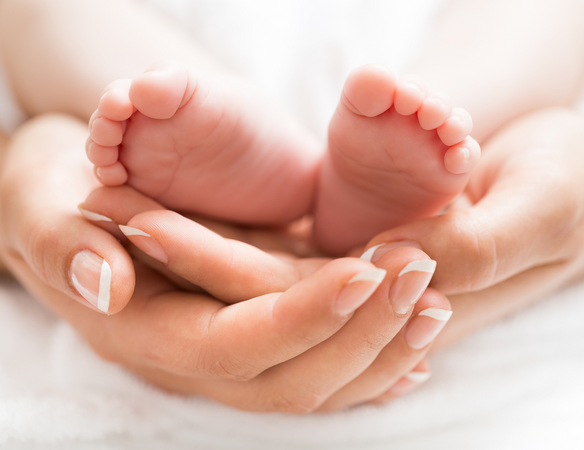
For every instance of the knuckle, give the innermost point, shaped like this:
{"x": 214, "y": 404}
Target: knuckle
{"x": 477, "y": 261}
{"x": 206, "y": 359}
{"x": 295, "y": 403}
{"x": 42, "y": 241}
{"x": 227, "y": 369}
{"x": 377, "y": 339}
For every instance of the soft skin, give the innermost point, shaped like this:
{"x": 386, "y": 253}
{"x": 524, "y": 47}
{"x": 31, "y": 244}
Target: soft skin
{"x": 507, "y": 281}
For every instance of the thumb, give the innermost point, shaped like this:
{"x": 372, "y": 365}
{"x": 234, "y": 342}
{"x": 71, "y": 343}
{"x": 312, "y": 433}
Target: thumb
{"x": 43, "y": 237}
{"x": 79, "y": 259}
{"x": 523, "y": 220}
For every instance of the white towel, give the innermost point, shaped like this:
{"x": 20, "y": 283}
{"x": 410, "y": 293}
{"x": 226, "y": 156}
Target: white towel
{"x": 517, "y": 384}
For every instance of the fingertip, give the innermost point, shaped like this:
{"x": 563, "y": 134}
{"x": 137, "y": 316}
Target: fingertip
{"x": 101, "y": 273}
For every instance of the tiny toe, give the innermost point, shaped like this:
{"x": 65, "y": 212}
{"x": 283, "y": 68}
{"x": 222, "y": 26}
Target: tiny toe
{"x": 161, "y": 90}
{"x": 456, "y": 128}
{"x": 434, "y": 111}
{"x": 410, "y": 93}
{"x": 115, "y": 103}
{"x": 105, "y": 132}
{"x": 462, "y": 157}
{"x": 100, "y": 155}
{"x": 369, "y": 90}
{"x": 114, "y": 175}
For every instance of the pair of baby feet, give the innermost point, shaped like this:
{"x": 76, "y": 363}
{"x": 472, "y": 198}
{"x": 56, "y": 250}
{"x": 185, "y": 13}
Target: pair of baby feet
{"x": 196, "y": 143}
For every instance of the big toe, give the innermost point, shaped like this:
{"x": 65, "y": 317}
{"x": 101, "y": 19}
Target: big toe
{"x": 161, "y": 90}
{"x": 369, "y": 90}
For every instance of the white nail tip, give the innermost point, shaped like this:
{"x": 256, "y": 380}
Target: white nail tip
{"x": 129, "y": 231}
{"x": 369, "y": 252}
{"x": 425, "y": 265}
{"x": 105, "y": 282}
{"x": 93, "y": 216}
{"x": 418, "y": 377}
{"x": 376, "y": 275}
{"x": 438, "y": 314}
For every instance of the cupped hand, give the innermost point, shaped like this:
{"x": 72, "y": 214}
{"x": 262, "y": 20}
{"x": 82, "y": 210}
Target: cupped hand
{"x": 44, "y": 176}
{"x": 518, "y": 233}
{"x": 286, "y": 347}
{"x": 327, "y": 335}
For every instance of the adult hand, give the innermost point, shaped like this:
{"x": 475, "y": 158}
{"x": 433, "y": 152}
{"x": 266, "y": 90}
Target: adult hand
{"x": 518, "y": 234}
{"x": 347, "y": 368}
{"x": 298, "y": 350}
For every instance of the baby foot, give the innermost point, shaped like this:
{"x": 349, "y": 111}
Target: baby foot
{"x": 196, "y": 143}
{"x": 395, "y": 154}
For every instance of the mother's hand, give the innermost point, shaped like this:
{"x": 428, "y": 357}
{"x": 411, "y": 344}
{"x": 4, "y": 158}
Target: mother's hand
{"x": 293, "y": 349}
{"x": 518, "y": 234}
{"x": 298, "y": 350}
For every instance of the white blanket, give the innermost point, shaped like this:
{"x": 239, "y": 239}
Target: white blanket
{"x": 517, "y": 384}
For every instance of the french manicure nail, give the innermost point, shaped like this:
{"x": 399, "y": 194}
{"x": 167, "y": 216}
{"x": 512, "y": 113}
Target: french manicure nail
{"x": 92, "y": 276}
{"x": 94, "y": 217}
{"x": 145, "y": 242}
{"x": 424, "y": 328}
{"x": 408, "y": 383}
{"x": 418, "y": 377}
{"x": 373, "y": 254}
{"x": 410, "y": 284}
{"x": 357, "y": 290}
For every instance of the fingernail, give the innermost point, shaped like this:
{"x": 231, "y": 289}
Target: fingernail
{"x": 145, "y": 242}
{"x": 424, "y": 328}
{"x": 418, "y": 377}
{"x": 92, "y": 277}
{"x": 357, "y": 290}
{"x": 409, "y": 382}
{"x": 410, "y": 284}
{"x": 373, "y": 254}
{"x": 94, "y": 217}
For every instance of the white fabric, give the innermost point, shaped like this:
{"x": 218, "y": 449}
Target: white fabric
{"x": 10, "y": 113}
{"x": 517, "y": 384}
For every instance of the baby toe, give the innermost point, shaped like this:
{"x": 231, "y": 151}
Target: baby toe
{"x": 114, "y": 175}
{"x": 369, "y": 90}
{"x": 100, "y": 155}
{"x": 434, "y": 111}
{"x": 105, "y": 132}
{"x": 161, "y": 90}
{"x": 456, "y": 128}
{"x": 410, "y": 93}
{"x": 462, "y": 157}
{"x": 115, "y": 103}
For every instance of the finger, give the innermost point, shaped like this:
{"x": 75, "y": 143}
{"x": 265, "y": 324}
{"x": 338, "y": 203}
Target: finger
{"x": 197, "y": 336}
{"x": 44, "y": 230}
{"x": 527, "y": 203}
{"x": 108, "y": 207}
{"x": 419, "y": 375}
{"x": 305, "y": 382}
{"x": 229, "y": 270}
{"x": 399, "y": 358}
